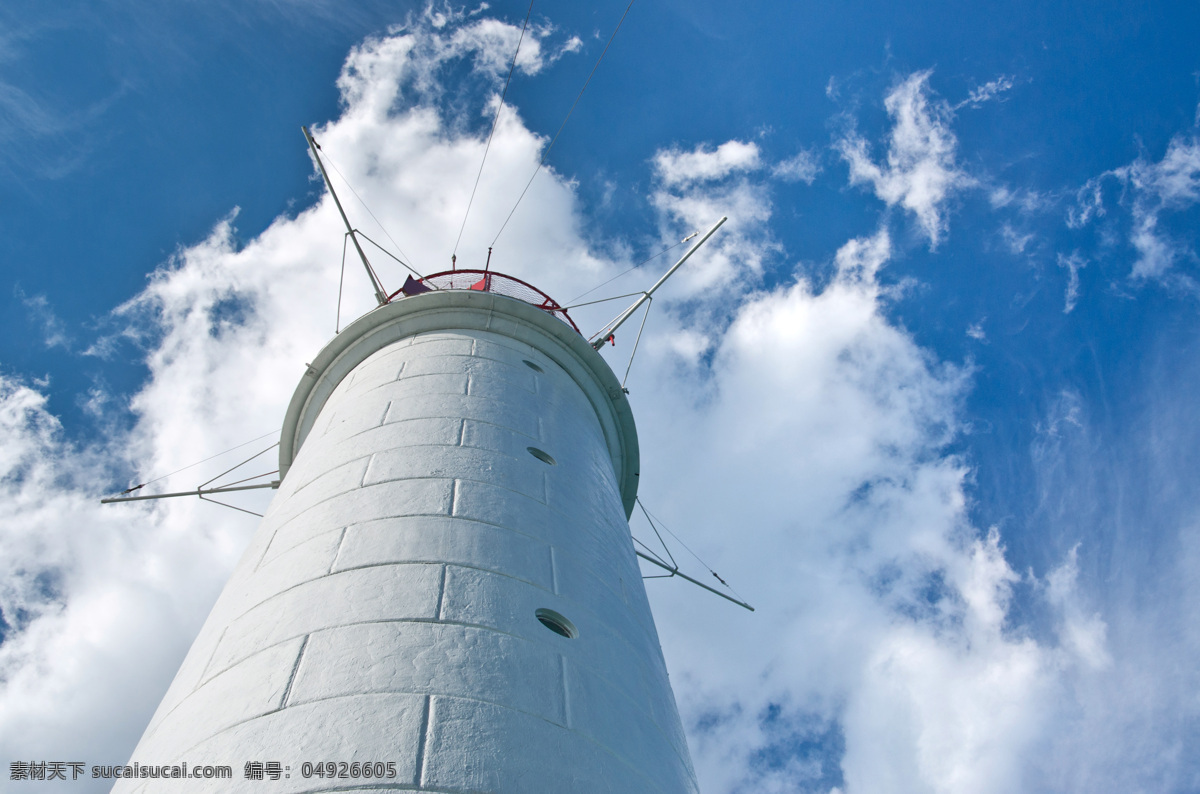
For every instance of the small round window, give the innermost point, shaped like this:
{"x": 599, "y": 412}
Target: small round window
{"x": 544, "y": 457}
{"x": 557, "y": 623}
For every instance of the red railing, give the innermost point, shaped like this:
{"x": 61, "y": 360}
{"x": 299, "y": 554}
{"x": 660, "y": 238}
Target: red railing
{"x": 486, "y": 281}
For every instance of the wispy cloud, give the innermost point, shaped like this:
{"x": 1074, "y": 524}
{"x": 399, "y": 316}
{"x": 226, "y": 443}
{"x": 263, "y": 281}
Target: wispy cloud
{"x": 803, "y": 167}
{"x": 1153, "y": 189}
{"x": 1014, "y": 240}
{"x": 990, "y": 90}
{"x": 694, "y": 189}
{"x": 54, "y": 331}
{"x": 43, "y": 132}
{"x": 1122, "y": 720}
{"x": 678, "y": 167}
{"x": 1172, "y": 183}
{"x": 920, "y": 172}
{"x": 1073, "y": 263}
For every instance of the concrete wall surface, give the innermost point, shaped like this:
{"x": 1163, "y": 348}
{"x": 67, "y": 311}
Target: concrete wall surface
{"x": 449, "y": 484}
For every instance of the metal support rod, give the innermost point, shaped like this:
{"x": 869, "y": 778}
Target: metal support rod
{"x": 625, "y": 315}
{"x": 633, "y": 353}
{"x": 675, "y": 572}
{"x": 201, "y": 492}
{"x": 380, "y": 295}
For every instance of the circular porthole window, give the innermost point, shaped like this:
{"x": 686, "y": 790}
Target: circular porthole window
{"x": 532, "y": 366}
{"x": 544, "y": 457}
{"x": 557, "y": 623}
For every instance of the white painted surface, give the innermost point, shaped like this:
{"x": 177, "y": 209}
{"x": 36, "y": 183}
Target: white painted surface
{"x": 385, "y": 609}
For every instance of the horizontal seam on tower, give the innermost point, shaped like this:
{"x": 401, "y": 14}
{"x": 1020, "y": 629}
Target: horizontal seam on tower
{"x": 290, "y": 588}
{"x": 479, "y": 521}
{"x": 407, "y": 479}
{"x": 383, "y": 621}
{"x": 243, "y": 722}
{"x": 377, "y": 428}
{"x": 300, "y": 488}
{"x": 340, "y": 571}
{"x": 434, "y": 620}
{"x": 481, "y": 627}
{"x": 206, "y": 681}
{"x": 592, "y": 740}
{"x": 388, "y": 383}
{"x": 454, "y": 477}
{"x": 370, "y": 455}
{"x": 319, "y": 502}
{"x": 447, "y": 563}
{"x": 340, "y": 525}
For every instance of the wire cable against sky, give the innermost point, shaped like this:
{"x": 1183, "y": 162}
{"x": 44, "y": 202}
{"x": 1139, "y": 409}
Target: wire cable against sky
{"x": 255, "y": 456}
{"x": 672, "y": 569}
{"x": 386, "y": 252}
{"x": 337, "y": 325}
{"x": 495, "y": 120}
{"x": 197, "y": 463}
{"x": 315, "y": 148}
{"x": 603, "y": 300}
{"x": 605, "y": 334}
{"x": 689, "y": 550}
{"x": 546, "y": 153}
{"x": 646, "y": 513}
{"x": 204, "y": 492}
{"x": 377, "y": 221}
{"x": 630, "y": 270}
{"x": 637, "y": 341}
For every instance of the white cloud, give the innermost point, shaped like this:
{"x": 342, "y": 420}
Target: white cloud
{"x": 1120, "y": 595}
{"x": 1000, "y": 197}
{"x": 1155, "y": 188}
{"x": 573, "y": 44}
{"x": 494, "y": 42}
{"x": 831, "y": 88}
{"x": 54, "y": 332}
{"x": 696, "y": 189}
{"x": 840, "y": 513}
{"x": 1089, "y": 204}
{"x": 804, "y": 167}
{"x": 1023, "y": 199}
{"x": 1073, "y": 262}
{"x": 1016, "y": 242}
{"x": 676, "y": 167}
{"x": 986, "y": 92}
{"x": 920, "y": 173}
{"x": 98, "y": 605}
{"x": 385, "y": 73}
{"x": 1084, "y": 635}
{"x": 1172, "y": 183}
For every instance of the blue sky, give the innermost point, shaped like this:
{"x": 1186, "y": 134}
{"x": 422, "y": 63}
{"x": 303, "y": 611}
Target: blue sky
{"x": 940, "y": 364}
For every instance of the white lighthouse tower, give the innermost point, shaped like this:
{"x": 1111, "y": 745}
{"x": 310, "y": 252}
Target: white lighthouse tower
{"x": 443, "y": 594}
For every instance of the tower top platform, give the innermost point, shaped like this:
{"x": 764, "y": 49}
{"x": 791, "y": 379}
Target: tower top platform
{"x": 485, "y": 281}
{"x": 545, "y": 329}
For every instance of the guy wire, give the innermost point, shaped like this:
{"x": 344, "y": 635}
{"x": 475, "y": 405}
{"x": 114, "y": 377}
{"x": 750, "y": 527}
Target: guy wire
{"x": 368, "y": 209}
{"x": 546, "y": 153}
{"x": 495, "y": 120}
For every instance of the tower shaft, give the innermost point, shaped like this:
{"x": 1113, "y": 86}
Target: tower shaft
{"x": 445, "y": 580}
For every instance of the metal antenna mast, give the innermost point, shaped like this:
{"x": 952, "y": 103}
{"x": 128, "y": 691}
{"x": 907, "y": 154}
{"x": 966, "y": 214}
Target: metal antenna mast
{"x": 380, "y": 295}
{"x": 605, "y": 333}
